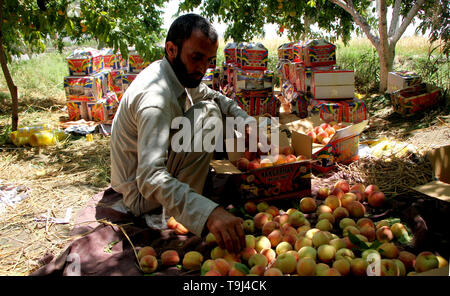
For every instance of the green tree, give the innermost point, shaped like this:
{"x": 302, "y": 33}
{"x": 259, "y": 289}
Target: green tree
{"x": 245, "y": 19}
{"x": 27, "y": 25}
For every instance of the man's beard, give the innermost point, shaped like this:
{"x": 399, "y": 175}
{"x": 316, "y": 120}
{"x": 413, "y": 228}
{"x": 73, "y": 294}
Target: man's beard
{"x": 185, "y": 78}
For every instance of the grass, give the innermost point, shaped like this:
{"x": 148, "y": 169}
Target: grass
{"x": 70, "y": 173}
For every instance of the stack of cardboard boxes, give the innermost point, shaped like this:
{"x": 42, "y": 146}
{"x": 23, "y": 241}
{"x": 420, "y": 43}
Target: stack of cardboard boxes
{"x": 212, "y": 76}
{"x": 312, "y": 83}
{"x": 247, "y": 80}
{"x": 97, "y": 80}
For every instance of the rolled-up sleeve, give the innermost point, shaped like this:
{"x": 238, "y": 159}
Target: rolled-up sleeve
{"x": 153, "y": 179}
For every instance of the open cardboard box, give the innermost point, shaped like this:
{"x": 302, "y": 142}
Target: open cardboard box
{"x": 279, "y": 182}
{"x": 342, "y": 148}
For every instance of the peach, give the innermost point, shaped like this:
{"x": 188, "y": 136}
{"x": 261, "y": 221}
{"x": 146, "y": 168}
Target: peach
{"x": 382, "y": 223}
{"x": 323, "y": 209}
{"x": 257, "y": 259}
{"x": 318, "y": 129}
{"x": 342, "y": 184}
{"x": 389, "y": 268}
{"x": 399, "y": 231}
{"x": 326, "y": 253}
{"x": 207, "y": 266}
{"x": 310, "y": 233}
{"x": 287, "y": 150}
{"x": 442, "y": 261}
{"x": 332, "y": 272}
{"x": 345, "y": 253}
{"x": 262, "y": 242}
{"x": 324, "y": 225}
{"x": 321, "y": 238}
{"x": 273, "y": 210}
{"x": 249, "y": 226}
{"x": 257, "y": 270}
{"x": 365, "y": 255}
{"x": 301, "y": 231}
{"x": 321, "y": 269}
{"x": 365, "y": 222}
{"x": 302, "y": 242}
{"x": 210, "y": 239}
{"x": 337, "y": 192}
{"x": 170, "y": 258}
{"x": 326, "y": 140}
{"x": 261, "y": 218}
{"x": 342, "y": 265}
{"x": 321, "y": 135}
{"x": 242, "y": 164}
{"x": 268, "y": 227}
{"x": 408, "y": 259}
{"x": 400, "y": 266}
{"x": 346, "y": 222}
{"x": 222, "y": 266}
{"x": 288, "y": 229}
{"x": 273, "y": 271}
{"x": 388, "y": 250}
{"x": 347, "y": 198}
{"x": 269, "y": 253}
{"x": 147, "y": 250}
{"x": 340, "y": 213}
{"x": 359, "y": 196}
{"x": 358, "y": 267}
{"x": 181, "y": 229}
{"x": 296, "y": 218}
{"x": 370, "y": 189}
{"x": 358, "y": 187}
{"x": 376, "y": 199}
{"x": 246, "y": 253}
{"x": 291, "y": 158}
{"x": 301, "y": 157}
{"x": 384, "y": 234}
{"x": 312, "y": 135}
{"x": 307, "y": 251}
{"x": 232, "y": 257}
{"x": 293, "y": 253}
{"x": 212, "y": 272}
{"x": 283, "y": 247}
{"x": 307, "y": 205}
{"x": 323, "y": 192}
{"x": 330, "y": 131}
{"x": 356, "y": 209}
{"x": 283, "y": 219}
{"x": 275, "y": 237}
{"x": 287, "y": 263}
{"x": 426, "y": 261}
{"x": 337, "y": 243}
{"x": 238, "y": 269}
{"x": 192, "y": 260}
{"x": 148, "y": 263}
{"x": 253, "y": 165}
{"x": 289, "y": 238}
{"x": 368, "y": 232}
{"x": 332, "y": 201}
{"x": 250, "y": 241}
{"x": 306, "y": 267}
{"x": 172, "y": 223}
{"x": 250, "y": 208}
{"x": 217, "y": 252}
{"x": 262, "y": 206}
{"x": 325, "y": 125}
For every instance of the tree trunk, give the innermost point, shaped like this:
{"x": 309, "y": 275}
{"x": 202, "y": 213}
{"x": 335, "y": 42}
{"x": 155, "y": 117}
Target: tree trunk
{"x": 9, "y": 81}
{"x": 386, "y": 65}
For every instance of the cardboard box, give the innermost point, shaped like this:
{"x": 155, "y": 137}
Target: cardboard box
{"x": 342, "y": 148}
{"x": 285, "y": 51}
{"x": 77, "y": 110}
{"x": 117, "y": 81}
{"x": 332, "y": 84}
{"x": 85, "y": 62}
{"x": 303, "y": 77}
{"x": 212, "y": 78}
{"x": 136, "y": 63}
{"x": 258, "y": 102}
{"x": 127, "y": 79}
{"x": 318, "y": 52}
{"x": 353, "y": 110}
{"x": 402, "y": 79}
{"x": 103, "y": 109}
{"x": 416, "y": 98}
{"x": 300, "y": 105}
{"x": 239, "y": 48}
{"x": 297, "y": 52}
{"x": 280, "y": 182}
{"x": 85, "y": 88}
{"x": 254, "y": 56}
{"x": 230, "y": 53}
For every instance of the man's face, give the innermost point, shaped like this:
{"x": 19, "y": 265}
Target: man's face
{"x": 190, "y": 64}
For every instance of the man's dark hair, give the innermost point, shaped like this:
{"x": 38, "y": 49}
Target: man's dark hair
{"x": 181, "y": 29}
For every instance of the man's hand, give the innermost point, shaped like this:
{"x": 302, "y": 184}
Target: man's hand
{"x": 228, "y": 230}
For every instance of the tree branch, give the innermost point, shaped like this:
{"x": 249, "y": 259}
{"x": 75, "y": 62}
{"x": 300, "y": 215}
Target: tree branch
{"x": 406, "y": 21}
{"x": 395, "y": 17}
{"x": 359, "y": 20}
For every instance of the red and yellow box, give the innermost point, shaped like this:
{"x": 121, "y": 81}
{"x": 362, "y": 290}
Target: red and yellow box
{"x": 136, "y": 63}
{"x": 85, "y": 88}
{"x": 411, "y": 100}
{"x": 77, "y": 110}
{"x": 258, "y": 102}
{"x": 230, "y": 53}
{"x": 318, "y": 52}
{"x": 85, "y": 62}
{"x": 104, "y": 109}
{"x": 117, "y": 80}
{"x": 254, "y": 56}
{"x": 127, "y": 79}
{"x": 353, "y": 110}
{"x": 285, "y": 51}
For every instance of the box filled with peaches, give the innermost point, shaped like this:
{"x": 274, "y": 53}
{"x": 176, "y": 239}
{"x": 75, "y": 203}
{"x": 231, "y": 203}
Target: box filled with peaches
{"x": 284, "y": 172}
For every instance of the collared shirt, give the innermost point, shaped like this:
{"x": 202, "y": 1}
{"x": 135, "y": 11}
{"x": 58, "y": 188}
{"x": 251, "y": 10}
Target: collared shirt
{"x": 141, "y": 135}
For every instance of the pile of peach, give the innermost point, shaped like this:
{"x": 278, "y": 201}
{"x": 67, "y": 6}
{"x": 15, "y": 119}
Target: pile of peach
{"x": 323, "y": 133}
{"x": 287, "y": 243}
{"x": 254, "y": 160}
